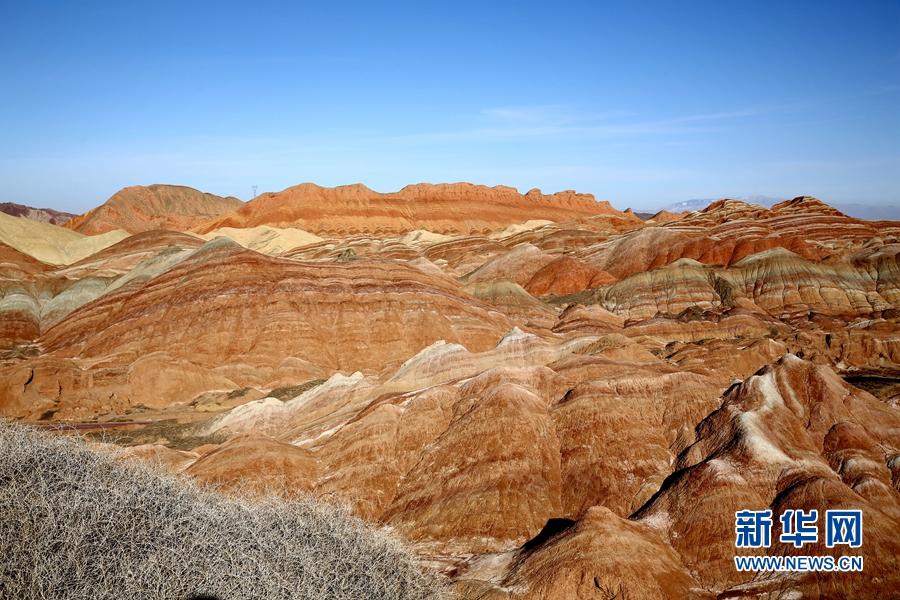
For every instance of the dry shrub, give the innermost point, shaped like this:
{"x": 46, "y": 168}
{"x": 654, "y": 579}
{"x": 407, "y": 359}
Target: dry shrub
{"x": 77, "y": 522}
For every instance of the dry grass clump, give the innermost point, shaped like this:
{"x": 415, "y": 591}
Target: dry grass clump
{"x": 76, "y": 522}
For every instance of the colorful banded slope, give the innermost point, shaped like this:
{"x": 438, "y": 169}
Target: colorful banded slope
{"x": 548, "y": 398}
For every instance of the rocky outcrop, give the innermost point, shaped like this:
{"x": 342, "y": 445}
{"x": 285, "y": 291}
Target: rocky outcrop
{"x": 824, "y": 227}
{"x": 665, "y": 216}
{"x": 618, "y": 425}
{"x": 36, "y": 296}
{"x": 465, "y": 254}
{"x": 593, "y": 319}
{"x": 20, "y": 319}
{"x": 130, "y": 256}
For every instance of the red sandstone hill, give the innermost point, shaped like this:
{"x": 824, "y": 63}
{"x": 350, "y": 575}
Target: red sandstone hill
{"x": 458, "y": 208}
{"x": 138, "y": 208}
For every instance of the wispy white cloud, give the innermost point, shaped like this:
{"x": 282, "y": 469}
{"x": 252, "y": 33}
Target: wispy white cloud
{"x": 547, "y": 114}
{"x": 715, "y": 116}
{"x": 549, "y": 121}
{"x": 524, "y": 113}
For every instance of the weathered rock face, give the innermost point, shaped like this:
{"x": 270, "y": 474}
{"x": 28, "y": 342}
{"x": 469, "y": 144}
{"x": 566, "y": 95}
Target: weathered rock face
{"x": 787, "y": 286}
{"x": 498, "y": 465}
{"x": 593, "y": 319}
{"x": 819, "y": 224}
{"x": 19, "y": 312}
{"x": 132, "y": 256}
{"x": 728, "y": 231}
{"x": 459, "y": 208}
{"x": 603, "y": 556}
{"x": 642, "y": 411}
{"x": 141, "y": 208}
{"x": 20, "y": 319}
{"x": 665, "y": 216}
{"x": 794, "y": 436}
{"x": 463, "y": 255}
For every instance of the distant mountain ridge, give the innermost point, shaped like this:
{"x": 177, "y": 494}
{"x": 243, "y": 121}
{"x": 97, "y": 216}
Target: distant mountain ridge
{"x": 41, "y": 215}
{"x": 440, "y": 208}
{"x": 701, "y": 203}
{"x": 867, "y": 212}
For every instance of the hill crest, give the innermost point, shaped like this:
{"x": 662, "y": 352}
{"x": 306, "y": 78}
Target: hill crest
{"x": 145, "y": 208}
{"x": 457, "y": 208}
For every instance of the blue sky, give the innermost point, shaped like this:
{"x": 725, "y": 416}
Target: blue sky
{"x": 641, "y": 104}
